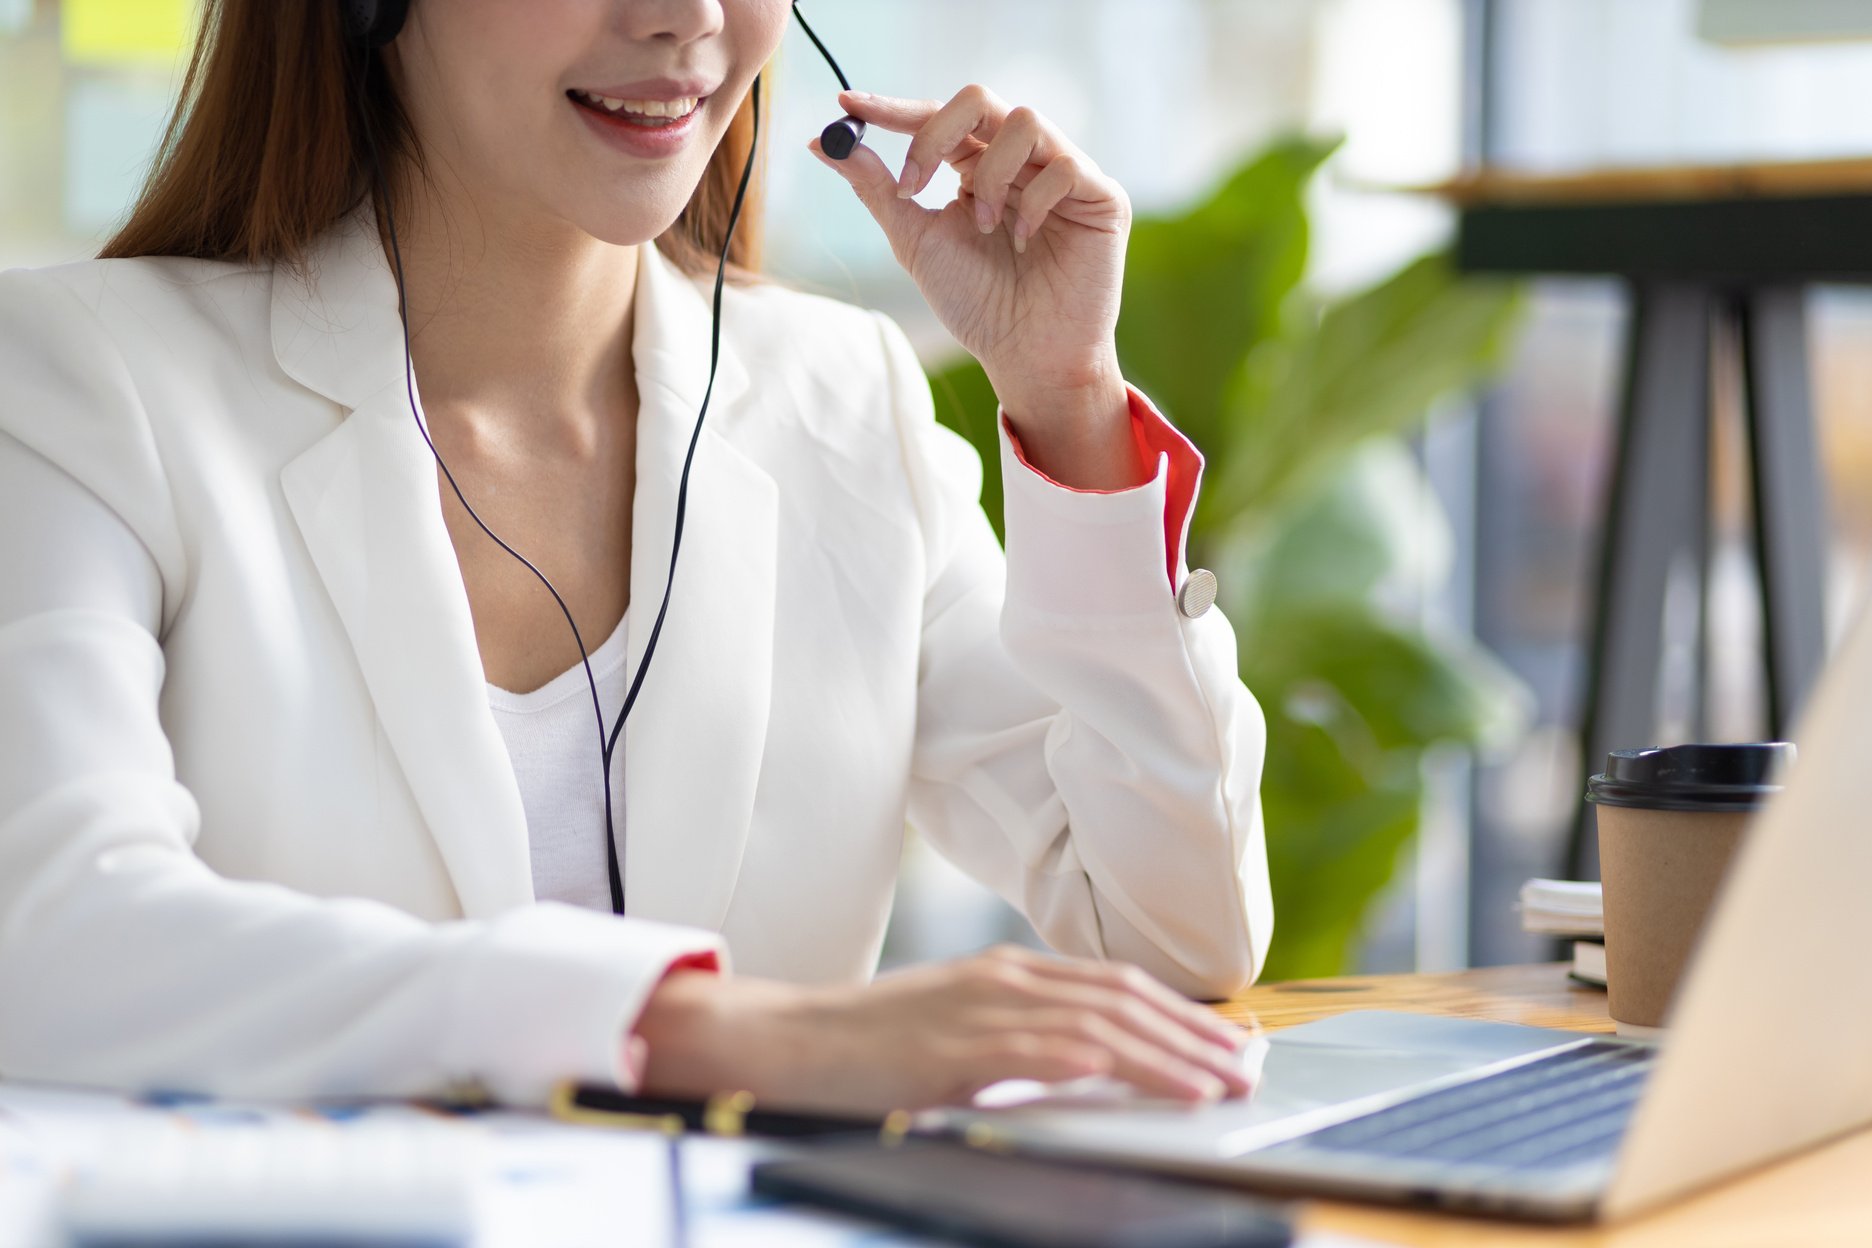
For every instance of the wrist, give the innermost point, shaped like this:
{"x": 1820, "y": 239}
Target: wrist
{"x": 1077, "y": 399}
{"x": 679, "y": 1026}
{"x": 706, "y": 1033}
{"x": 1080, "y": 436}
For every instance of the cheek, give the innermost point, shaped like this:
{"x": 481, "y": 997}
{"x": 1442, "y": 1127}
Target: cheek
{"x": 772, "y": 15}
{"x": 505, "y": 132}
{"x": 751, "y": 31}
{"x": 494, "y": 67}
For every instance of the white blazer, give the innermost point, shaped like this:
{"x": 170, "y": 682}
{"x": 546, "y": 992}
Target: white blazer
{"x": 259, "y": 833}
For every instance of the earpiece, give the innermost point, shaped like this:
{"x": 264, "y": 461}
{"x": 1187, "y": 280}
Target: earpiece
{"x": 373, "y": 23}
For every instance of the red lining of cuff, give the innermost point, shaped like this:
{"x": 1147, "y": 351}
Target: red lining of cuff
{"x": 1153, "y": 436}
{"x": 704, "y": 961}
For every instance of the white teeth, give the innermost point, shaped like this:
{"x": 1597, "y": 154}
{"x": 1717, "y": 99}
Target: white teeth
{"x": 642, "y": 108}
{"x": 661, "y": 108}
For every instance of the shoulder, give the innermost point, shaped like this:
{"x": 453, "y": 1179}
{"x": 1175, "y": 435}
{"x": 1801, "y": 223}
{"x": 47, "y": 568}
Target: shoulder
{"x": 836, "y": 355}
{"x": 84, "y": 347}
{"x": 853, "y": 382}
{"x": 122, "y": 302}
{"x": 72, "y": 333}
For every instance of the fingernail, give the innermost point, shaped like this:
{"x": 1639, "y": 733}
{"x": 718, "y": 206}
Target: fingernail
{"x": 984, "y": 216}
{"x": 907, "y": 180}
{"x": 1020, "y": 233}
{"x": 1212, "y": 1088}
{"x": 856, "y": 95}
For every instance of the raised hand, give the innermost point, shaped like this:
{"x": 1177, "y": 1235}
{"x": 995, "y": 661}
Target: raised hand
{"x": 1024, "y": 267}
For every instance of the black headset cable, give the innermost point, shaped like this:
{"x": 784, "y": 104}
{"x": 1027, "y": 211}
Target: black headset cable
{"x": 606, "y": 743}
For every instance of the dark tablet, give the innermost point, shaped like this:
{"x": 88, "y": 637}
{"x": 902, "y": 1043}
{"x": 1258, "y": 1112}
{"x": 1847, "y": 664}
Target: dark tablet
{"x": 990, "y": 1199}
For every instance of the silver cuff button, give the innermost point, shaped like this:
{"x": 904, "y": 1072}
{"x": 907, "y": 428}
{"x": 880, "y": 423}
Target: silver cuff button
{"x": 1198, "y": 593}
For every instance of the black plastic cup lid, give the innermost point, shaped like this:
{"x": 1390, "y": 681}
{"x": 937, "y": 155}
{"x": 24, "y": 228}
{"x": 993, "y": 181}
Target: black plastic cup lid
{"x": 1693, "y": 777}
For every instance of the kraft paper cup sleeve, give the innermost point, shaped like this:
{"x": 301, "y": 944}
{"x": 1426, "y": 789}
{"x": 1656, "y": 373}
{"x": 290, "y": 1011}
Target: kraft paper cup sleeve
{"x": 1661, "y": 871}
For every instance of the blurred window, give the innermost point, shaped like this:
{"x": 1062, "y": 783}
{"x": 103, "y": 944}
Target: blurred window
{"x": 1588, "y": 83}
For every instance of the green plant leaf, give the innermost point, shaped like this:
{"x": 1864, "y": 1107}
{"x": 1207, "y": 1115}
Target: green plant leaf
{"x": 1374, "y": 364}
{"x": 1354, "y": 691}
{"x": 1409, "y": 687}
{"x": 1335, "y": 828}
{"x": 1204, "y": 287}
{"x": 966, "y": 403}
{"x": 1373, "y": 529}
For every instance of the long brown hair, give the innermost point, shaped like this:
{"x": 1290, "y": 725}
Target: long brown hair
{"x": 272, "y": 142}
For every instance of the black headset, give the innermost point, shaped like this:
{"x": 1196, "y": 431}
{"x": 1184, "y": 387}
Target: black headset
{"x": 374, "y": 23}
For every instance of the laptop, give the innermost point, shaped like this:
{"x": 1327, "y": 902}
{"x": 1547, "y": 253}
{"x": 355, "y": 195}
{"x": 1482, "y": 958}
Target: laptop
{"x": 1765, "y": 1054}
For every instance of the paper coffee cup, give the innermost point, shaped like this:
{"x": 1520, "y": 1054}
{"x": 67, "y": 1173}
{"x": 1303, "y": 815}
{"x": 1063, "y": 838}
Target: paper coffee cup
{"x": 1669, "y": 823}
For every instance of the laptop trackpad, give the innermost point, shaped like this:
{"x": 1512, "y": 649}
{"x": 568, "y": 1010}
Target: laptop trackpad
{"x": 1310, "y": 1076}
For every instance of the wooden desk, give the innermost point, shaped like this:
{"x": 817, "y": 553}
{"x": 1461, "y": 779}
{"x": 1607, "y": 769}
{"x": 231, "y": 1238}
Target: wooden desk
{"x": 1815, "y": 1200}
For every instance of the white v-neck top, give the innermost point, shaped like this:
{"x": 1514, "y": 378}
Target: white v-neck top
{"x": 552, "y": 740}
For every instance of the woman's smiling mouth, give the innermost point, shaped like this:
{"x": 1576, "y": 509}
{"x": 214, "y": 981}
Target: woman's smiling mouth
{"x": 651, "y": 129}
{"x": 650, "y": 113}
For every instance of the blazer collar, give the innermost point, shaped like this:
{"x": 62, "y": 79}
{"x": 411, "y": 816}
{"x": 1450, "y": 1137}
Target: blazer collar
{"x": 366, "y": 499}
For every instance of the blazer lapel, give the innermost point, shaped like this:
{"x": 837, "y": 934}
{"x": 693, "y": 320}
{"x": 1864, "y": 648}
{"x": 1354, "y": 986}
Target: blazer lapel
{"x": 694, "y": 741}
{"x": 366, "y": 501}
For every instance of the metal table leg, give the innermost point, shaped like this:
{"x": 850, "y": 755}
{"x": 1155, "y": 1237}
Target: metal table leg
{"x": 1657, "y": 510}
{"x": 1790, "y": 496}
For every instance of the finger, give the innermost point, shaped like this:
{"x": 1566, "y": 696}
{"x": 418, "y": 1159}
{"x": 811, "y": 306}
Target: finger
{"x": 958, "y": 129}
{"x": 1152, "y": 1070}
{"x": 1254, "y": 1057}
{"x": 902, "y": 220}
{"x": 1092, "y": 200}
{"x": 888, "y": 112}
{"x": 1131, "y": 979}
{"x": 1040, "y": 196}
{"x": 1146, "y": 1023}
{"x": 1013, "y": 981}
{"x": 1023, "y": 1054}
{"x": 1125, "y": 995}
{"x": 1023, "y": 139}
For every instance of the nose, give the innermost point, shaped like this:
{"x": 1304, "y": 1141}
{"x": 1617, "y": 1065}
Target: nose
{"x": 670, "y": 21}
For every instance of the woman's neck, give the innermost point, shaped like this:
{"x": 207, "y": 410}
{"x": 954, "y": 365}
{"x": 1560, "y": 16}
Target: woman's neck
{"x": 517, "y": 321}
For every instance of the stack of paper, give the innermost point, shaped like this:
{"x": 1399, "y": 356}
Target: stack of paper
{"x": 1563, "y": 907}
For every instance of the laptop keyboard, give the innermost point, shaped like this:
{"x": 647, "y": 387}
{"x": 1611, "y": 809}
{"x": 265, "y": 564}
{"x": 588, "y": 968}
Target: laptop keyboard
{"x": 1552, "y": 1112}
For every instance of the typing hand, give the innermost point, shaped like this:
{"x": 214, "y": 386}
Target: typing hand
{"x": 936, "y": 1035}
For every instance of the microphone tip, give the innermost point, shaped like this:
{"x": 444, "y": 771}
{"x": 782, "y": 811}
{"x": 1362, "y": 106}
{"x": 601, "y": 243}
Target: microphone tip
{"x": 838, "y": 139}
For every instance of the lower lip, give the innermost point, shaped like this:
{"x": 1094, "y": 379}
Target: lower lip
{"x": 651, "y": 142}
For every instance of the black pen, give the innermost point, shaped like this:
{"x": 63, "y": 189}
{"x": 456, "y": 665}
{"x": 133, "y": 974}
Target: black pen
{"x": 732, "y": 1113}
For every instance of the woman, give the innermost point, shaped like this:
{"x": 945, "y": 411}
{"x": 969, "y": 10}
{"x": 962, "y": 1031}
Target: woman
{"x": 294, "y": 748}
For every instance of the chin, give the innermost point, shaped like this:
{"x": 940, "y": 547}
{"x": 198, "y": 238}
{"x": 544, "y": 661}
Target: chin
{"x": 630, "y": 216}
{"x": 619, "y": 233}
